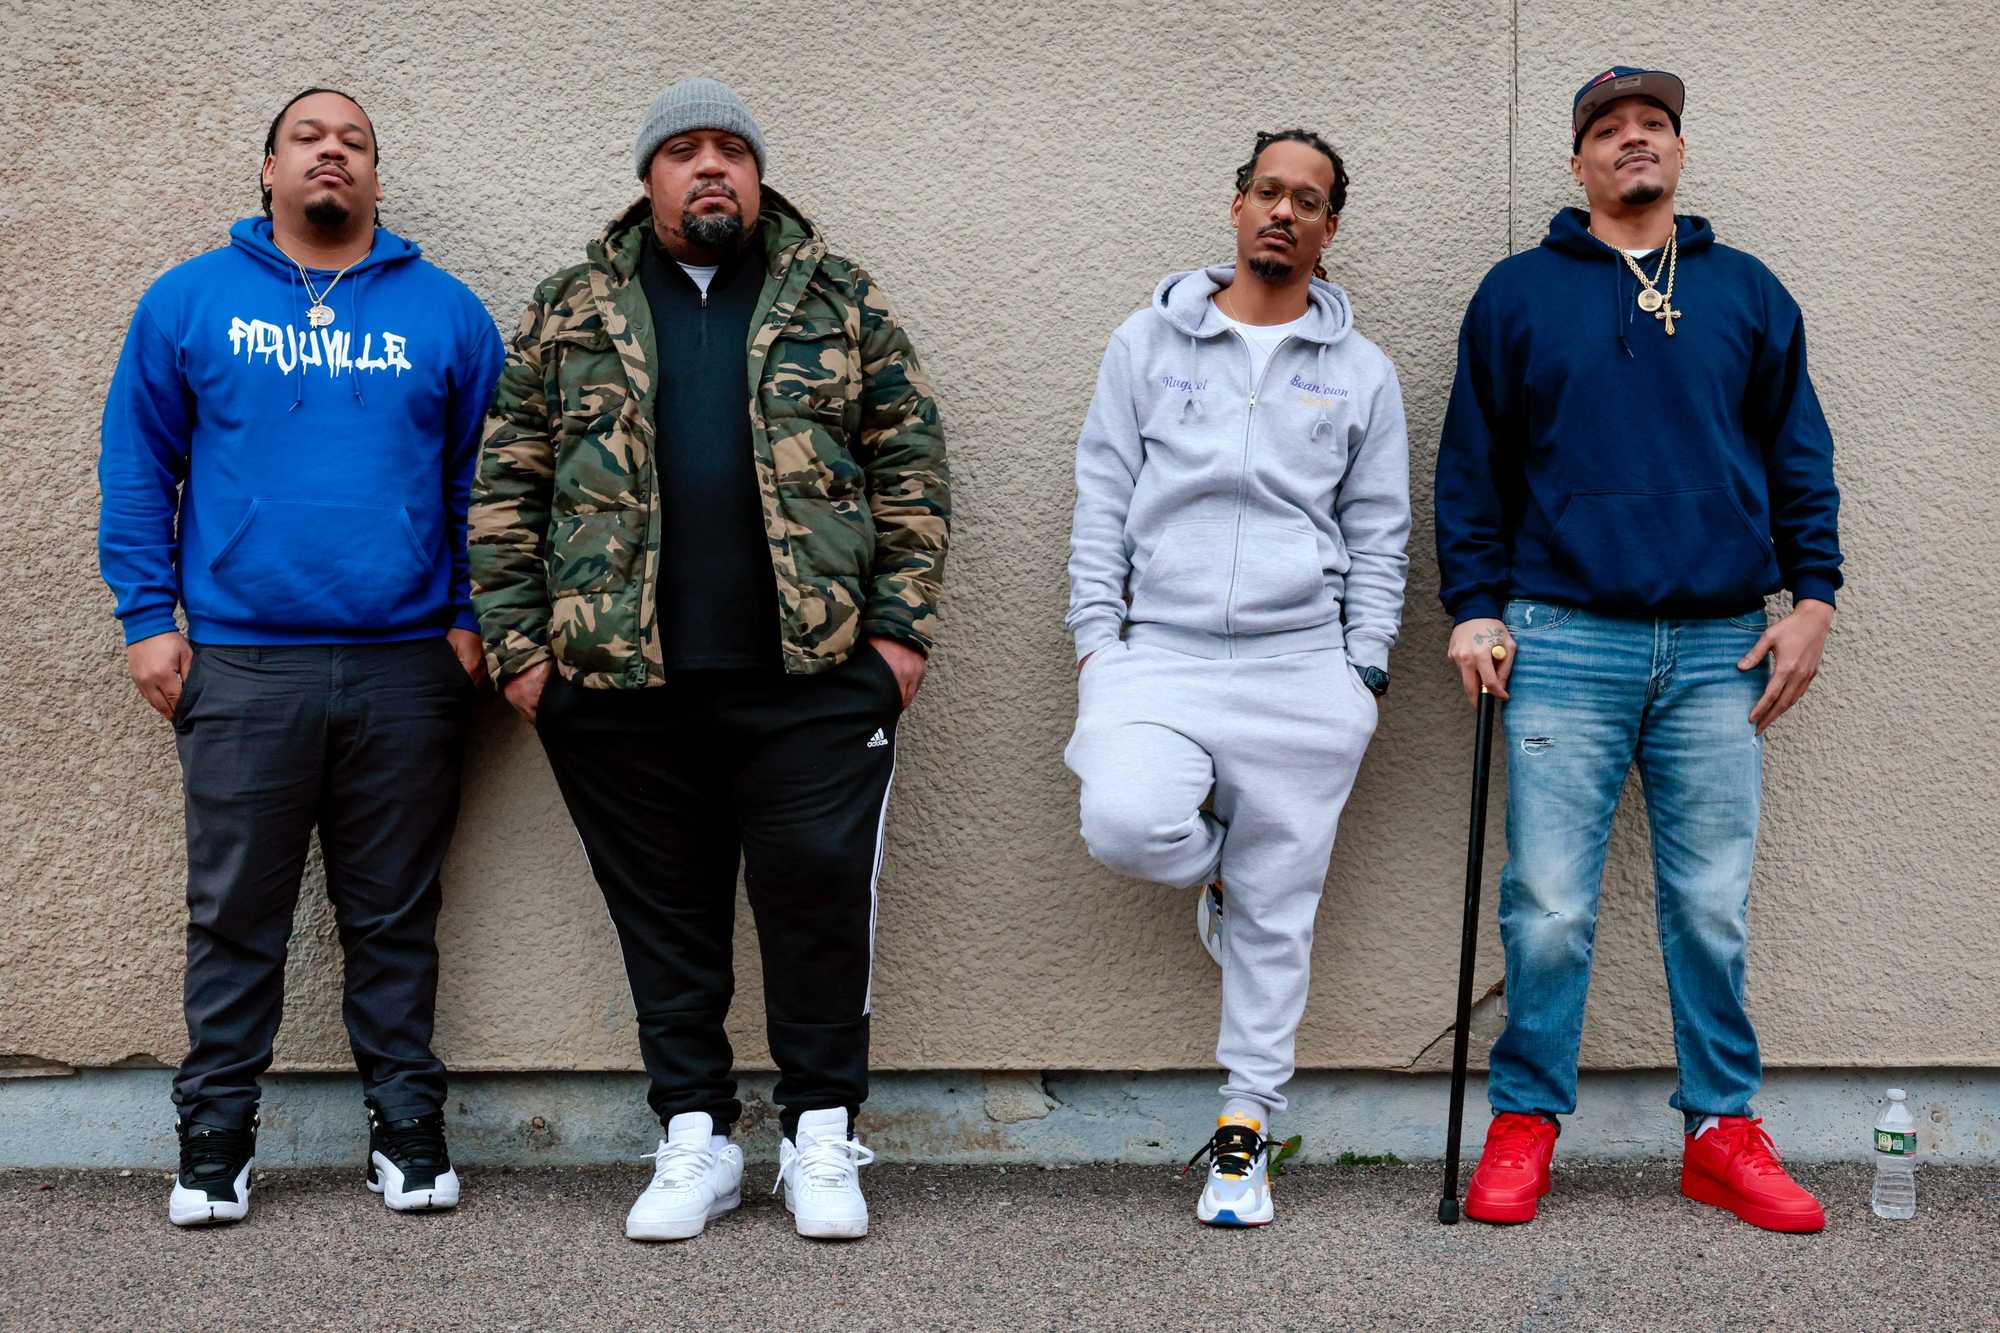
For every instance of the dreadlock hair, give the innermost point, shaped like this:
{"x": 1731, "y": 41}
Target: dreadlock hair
{"x": 1335, "y": 201}
{"x": 271, "y": 137}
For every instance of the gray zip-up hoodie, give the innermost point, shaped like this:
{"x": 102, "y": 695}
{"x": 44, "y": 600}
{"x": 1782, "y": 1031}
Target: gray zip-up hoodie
{"x": 1226, "y": 519}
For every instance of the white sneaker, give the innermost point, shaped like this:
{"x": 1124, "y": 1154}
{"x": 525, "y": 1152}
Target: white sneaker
{"x": 1208, "y": 919}
{"x": 821, "y": 1177}
{"x": 693, "y": 1183}
{"x": 1238, "y": 1192}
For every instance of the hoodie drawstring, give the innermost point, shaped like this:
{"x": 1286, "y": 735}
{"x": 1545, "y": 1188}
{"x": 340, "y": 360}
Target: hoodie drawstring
{"x": 1621, "y": 315}
{"x": 354, "y": 304}
{"x": 1324, "y": 418}
{"x": 1191, "y": 406}
{"x": 298, "y": 361}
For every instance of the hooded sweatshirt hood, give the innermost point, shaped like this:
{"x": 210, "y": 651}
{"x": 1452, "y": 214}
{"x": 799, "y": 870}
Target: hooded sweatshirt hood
{"x": 1226, "y": 518}
{"x": 291, "y": 484}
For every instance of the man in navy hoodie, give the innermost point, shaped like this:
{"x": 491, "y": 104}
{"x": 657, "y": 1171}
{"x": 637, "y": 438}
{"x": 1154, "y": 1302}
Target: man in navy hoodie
{"x": 288, "y": 447}
{"x": 1621, "y": 485}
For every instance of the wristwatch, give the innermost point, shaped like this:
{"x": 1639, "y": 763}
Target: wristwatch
{"x": 1375, "y": 678}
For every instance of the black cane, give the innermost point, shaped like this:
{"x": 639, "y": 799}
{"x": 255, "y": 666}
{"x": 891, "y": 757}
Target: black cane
{"x": 1468, "y": 941}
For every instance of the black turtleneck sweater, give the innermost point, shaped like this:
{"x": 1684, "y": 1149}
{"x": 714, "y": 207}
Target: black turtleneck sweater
{"x": 718, "y": 601}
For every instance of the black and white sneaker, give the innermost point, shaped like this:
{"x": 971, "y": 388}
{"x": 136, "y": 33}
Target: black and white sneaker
{"x": 213, "y": 1184}
{"x": 408, "y": 1164}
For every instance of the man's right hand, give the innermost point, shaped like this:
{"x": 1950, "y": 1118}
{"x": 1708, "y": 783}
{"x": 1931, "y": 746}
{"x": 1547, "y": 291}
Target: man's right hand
{"x": 525, "y": 690}
{"x": 159, "y": 667}
{"x": 1471, "y": 651}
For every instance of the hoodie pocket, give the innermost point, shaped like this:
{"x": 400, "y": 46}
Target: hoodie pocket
{"x": 298, "y": 565}
{"x": 1186, "y": 580}
{"x": 1678, "y": 549}
{"x": 1280, "y": 581}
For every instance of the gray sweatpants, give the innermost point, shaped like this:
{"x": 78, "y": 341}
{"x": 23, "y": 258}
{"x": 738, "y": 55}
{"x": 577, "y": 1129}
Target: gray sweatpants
{"x": 1278, "y": 740}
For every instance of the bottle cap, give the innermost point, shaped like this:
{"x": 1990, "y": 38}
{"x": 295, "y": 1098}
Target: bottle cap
{"x": 1897, "y": 1094}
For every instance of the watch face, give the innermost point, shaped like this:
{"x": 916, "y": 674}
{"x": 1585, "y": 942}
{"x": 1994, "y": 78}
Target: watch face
{"x": 1375, "y": 678}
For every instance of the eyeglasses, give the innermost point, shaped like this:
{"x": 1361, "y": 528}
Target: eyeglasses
{"x": 1266, "y": 191}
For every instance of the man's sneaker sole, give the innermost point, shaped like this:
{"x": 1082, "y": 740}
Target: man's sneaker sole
{"x": 1702, "y": 1189}
{"x": 1233, "y": 1217}
{"x": 386, "y": 1179}
{"x": 192, "y": 1208}
{"x": 827, "y": 1228}
{"x": 683, "y": 1228}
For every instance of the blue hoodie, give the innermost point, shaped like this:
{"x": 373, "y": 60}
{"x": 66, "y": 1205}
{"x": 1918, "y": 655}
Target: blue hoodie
{"x": 287, "y": 484}
{"x": 1589, "y": 459}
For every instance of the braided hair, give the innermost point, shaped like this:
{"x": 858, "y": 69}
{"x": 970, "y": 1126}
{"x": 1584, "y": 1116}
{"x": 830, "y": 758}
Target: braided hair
{"x": 1335, "y": 201}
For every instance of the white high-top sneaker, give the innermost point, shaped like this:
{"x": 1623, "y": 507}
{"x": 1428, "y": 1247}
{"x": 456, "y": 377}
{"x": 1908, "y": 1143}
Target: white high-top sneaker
{"x": 1208, "y": 919}
{"x": 1238, "y": 1190}
{"x": 693, "y": 1182}
{"x": 821, "y": 1177}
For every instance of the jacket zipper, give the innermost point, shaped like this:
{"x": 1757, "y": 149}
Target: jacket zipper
{"x": 1243, "y": 477}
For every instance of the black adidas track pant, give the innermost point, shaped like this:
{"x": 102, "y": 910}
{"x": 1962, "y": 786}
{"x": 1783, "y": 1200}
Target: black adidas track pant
{"x": 671, "y": 789}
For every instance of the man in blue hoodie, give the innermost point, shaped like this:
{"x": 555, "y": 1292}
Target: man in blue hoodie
{"x": 1622, "y": 482}
{"x": 288, "y": 448}
{"x": 1236, "y": 582}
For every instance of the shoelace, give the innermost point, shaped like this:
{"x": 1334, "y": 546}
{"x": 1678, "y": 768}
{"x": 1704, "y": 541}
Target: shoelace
{"x": 416, "y": 1142}
{"x": 679, "y": 1165}
{"x": 1513, "y": 1142}
{"x": 827, "y": 1163}
{"x": 208, "y": 1151}
{"x": 1747, "y": 1141}
{"x": 1233, "y": 1149}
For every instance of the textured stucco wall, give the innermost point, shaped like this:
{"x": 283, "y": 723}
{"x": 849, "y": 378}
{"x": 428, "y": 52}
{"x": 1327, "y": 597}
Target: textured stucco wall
{"x": 1018, "y": 176}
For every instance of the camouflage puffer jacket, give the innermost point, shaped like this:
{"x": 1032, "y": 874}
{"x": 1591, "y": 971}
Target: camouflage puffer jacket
{"x": 565, "y": 520}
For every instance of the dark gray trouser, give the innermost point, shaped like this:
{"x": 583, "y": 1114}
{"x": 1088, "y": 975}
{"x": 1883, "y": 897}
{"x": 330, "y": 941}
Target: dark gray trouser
{"x": 365, "y": 743}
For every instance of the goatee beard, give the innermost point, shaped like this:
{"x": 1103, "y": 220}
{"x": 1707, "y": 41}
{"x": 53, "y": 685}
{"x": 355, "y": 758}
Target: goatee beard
{"x": 713, "y": 231}
{"x": 1270, "y": 270}
{"x": 327, "y": 213}
{"x": 1641, "y": 195}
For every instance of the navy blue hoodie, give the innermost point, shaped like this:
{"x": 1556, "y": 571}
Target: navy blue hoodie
{"x": 287, "y": 484}
{"x": 1591, "y": 460}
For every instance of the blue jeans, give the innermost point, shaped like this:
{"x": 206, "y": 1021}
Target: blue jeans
{"x": 1590, "y": 695}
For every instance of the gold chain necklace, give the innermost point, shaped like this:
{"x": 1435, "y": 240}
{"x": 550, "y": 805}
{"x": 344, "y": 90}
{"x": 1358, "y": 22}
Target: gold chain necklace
{"x": 319, "y": 314}
{"x": 1658, "y": 304}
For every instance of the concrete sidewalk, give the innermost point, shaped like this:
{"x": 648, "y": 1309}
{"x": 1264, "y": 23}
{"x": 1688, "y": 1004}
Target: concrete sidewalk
{"x": 996, "y": 1248}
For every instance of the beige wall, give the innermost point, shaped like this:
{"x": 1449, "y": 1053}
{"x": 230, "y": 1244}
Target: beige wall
{"x": 1019, "y": 176}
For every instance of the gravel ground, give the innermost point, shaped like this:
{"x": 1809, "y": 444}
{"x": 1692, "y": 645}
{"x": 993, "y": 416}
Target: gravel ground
{"x": 986, "y": 1247}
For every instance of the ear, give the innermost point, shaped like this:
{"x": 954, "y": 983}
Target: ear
{"x": 1576, "y": 167}
{"x": 646, "y": 185}
{"x": 264, "y": 176}
{"x": 1332, "y": 226}
{"x": 1235, "y": 210}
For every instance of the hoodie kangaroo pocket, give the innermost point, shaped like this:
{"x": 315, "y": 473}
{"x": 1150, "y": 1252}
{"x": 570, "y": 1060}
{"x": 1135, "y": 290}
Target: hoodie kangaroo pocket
{"x": 1677, "y": 549}
{"x": 1186, "y": 579}
{"x": 1280, "y": 581}
{"x": 297, "y": 565}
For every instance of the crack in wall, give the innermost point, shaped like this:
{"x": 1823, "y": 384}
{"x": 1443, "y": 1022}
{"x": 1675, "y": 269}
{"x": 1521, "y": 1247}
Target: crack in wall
{"x": 1497, "y": 989}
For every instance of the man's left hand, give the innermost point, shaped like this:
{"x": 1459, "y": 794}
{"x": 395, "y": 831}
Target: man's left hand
{"x": 908, "y": 664}
{"x": 1794, "y": 645}
{"x": 470, "y": 652}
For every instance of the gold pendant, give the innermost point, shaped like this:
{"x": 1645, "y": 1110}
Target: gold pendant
{"x": 1650, "y": 300}
{"x": 319, "y": 316}
{"x": 1667, "y": 316}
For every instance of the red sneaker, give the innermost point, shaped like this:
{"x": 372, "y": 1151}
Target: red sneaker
{"x": 1513, "y": 1170}
{"x": 1735, "y": 1167}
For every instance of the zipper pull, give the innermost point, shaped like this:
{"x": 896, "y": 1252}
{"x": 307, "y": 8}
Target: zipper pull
{"x": 1253, "y": 398}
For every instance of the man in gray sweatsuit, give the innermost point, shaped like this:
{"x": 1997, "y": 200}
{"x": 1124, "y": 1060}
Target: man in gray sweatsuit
{"x": 1236, "y": 582}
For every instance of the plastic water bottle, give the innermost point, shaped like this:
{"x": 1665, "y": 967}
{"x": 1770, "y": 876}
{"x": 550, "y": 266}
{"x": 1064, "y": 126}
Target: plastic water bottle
{"x": 1895, "y": 1160}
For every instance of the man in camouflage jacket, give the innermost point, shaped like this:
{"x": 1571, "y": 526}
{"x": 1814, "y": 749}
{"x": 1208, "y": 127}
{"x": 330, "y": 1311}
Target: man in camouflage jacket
{"x": 707, "y": 542}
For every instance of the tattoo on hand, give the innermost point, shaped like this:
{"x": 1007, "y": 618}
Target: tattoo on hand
{"x": 1486, "y": 638}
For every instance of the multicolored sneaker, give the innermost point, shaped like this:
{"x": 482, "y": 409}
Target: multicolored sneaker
{"x": 1238, "y": 1190}
{"x": 1735, "y": 1167}
{"x": 1208, "y": 920}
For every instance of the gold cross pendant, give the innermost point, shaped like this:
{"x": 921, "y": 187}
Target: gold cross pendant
{"x": 1666, "y": 314}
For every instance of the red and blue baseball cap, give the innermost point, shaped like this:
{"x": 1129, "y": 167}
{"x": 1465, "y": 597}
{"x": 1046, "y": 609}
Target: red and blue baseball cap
{"x": 1655, "y": 85}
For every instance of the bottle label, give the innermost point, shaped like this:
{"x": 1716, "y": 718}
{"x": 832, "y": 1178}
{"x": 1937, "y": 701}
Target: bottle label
{"x": 1896, "y": 1144}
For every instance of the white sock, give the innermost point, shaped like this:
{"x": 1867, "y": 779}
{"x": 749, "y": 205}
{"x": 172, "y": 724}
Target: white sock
{"x": 717, "y": 1142}
{"x": 1708, "y": 1122}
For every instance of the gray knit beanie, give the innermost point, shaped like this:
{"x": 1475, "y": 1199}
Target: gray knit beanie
{"x": 695, "y": 104}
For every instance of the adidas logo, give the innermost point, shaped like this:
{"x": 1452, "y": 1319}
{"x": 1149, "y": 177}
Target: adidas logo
{"x": 878, "y": 740}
